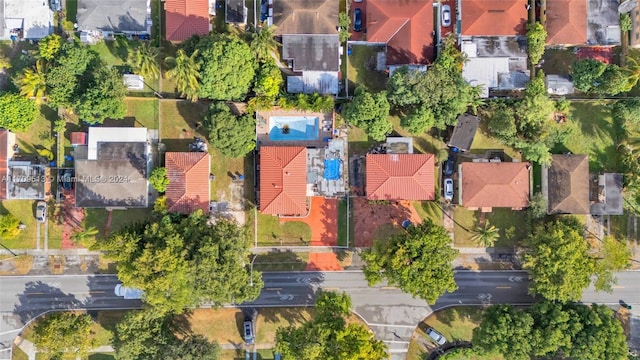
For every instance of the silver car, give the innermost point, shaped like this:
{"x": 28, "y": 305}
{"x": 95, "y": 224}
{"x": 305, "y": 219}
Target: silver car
{"x": 446, "y": 15}
{"x": 436, "y": 336}
{"x": 448, "y": 189}
{"x": 41, "y": 211}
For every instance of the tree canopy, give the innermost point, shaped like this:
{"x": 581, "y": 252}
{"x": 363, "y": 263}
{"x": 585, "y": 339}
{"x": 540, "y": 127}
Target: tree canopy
{"x": 536, "y": 41}
{"x": 63, "y": 335}
{"x": 594, "y": 76}
{"x": 158, "y": 179}
{"x": 327, "y": 336}
{"x": 103, "y": 97}
{"x": 227, "y": 67}
{"x": 180, "y": 262}
{"x": 233, "y": 135}
{"x": 186, "y": 74}
{"x": 369, "y": 112}
{"x": 417, "y": 261}
{"x": 49, "y": 46}
{"x": 17, "y": 112}
{"x": 269, "y": 81}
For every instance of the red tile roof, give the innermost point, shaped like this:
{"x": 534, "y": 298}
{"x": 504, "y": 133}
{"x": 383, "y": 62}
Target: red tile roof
{"x": 4, "y": 149}
{"x": 406, "y": 26}
{"x": 189, "y": 187}
{"x": 185, "y": 18}
{"x": 283, "y": 180}
{"x": 502, "y": 184}
{"x": 566, "y": 22}
{"x": 78, "y": 138}
{"x": 400, "y": 177}
{"x": 494, "y": 17}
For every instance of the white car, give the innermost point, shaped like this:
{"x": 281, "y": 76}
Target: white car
{"x": 448, "y": 189}
{"x": 436, "y": 336}
{"x": 446, "y": 15}
{"x": 41, "y": 211}
{"x": 128, "y": 293}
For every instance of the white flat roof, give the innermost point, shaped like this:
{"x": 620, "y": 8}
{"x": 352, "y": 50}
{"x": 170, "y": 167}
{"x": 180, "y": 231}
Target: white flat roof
{"x": 113, "y": 134}
{"x": 484, "y": 72}
{"x": 36, "y": 15}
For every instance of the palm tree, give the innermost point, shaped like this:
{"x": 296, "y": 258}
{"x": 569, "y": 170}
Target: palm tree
{"x": 145, "y": 62}
{"x": 263, "y": 42}
{"x": 32, "y": 83}
{"x": 486, "y": 234}
{"x": 81, "y": 237}
{"x": 633, "y": 71}
{"x": 186, "y": 73}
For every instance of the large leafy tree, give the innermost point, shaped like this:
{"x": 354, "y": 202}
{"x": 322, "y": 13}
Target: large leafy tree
{"x": 186, "y": 74}
{"x": 103, "y": 97}
{"x": 64, "y": 335}
{"x": 145, "y": 60}
{"x": 182, "y": 262}
{"x": 158, "y": 179}
{"x": 558, "y": 261}
{"x": 596, "y": 334}
{"x": 614, "y": 255}
{"x": 233, "y": 135}
{"x": 369, "y": 112}
{"x": 535, "y": 109}
{"x": 502, "y": 121}
{"x": 263, "y": 42}
{"x": 419, "y": 120}
{"x": 506, "y": 331}
{"x": 32, "y": 82}
{"x": 49, "y": 46}
{"x": 328, "y": 336}
{"x": 536, "y": 40}
{"x": 17, "y": 112}
{"x": 594, "y": 76}
{"x": 73, "y": 64}
{"x": 585, "y": 73}
{"x": 227, "y": 67}
{"x": 269, "y": 81}
{"x": 417, "y": 261}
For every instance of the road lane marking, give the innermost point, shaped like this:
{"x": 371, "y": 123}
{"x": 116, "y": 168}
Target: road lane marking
{"x": 503, "y": 287}
{"x": 331, "y": 288}
{"x": 617, "y": 287}
{"x": 97, "y": 292}
{"x": 388, "y": 288}
{"x": 273, "y": 289}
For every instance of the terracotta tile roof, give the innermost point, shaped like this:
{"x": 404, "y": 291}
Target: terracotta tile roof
{"x": 502, "y": 184}
{"x": 4, "y": 152}
{"x": 189, "y": 187}
{"x": 78, "y": 138}
{"x": 568, "y": 184}
{"x": 283, "y": 180}
{"x": 494, "y": 17}
{"x": 400, "y": 177}
{"x": 406, "y": 26}
{"x": 566, "y": 22}
{"x": 185, "y": 18}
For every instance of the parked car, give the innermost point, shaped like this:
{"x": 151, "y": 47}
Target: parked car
{"x": 128, "y": 293}
{"x": 249, "y": 337}
{"x": 41, "y": 211}
{"x": 66, "y": 180}
{"x": 436, "y": 336}
{"x": 449, "y": 166}
{"x": 448, "y": 189}
{"x": 446, "y": 15}
{"x": 55, "y": 5}
{"x": 357, "y": 20}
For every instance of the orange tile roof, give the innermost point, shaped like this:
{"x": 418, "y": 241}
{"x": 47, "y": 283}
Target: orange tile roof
{"x": 189, "y": 187}
{"x": 494, "y": 17}
{"x": 283, "y": 180}
{"x": 406, "y": 26}
{"x": 185, "y": 18}
{"x": 566, "y": 22}
{"x": 400, "y": 177}
{"x": 78, "y": 138}
{"x": 503, "y": 184}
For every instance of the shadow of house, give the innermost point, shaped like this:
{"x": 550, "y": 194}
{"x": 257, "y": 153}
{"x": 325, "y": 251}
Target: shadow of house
{"x": 566, "y": 184}
{"x": 236, "y": 12}
{"x": 103, "y": 19}
{"x": 305, "y": 16}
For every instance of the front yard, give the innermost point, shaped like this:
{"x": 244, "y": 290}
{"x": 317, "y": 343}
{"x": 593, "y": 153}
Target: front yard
{"x": 513, "y": 226}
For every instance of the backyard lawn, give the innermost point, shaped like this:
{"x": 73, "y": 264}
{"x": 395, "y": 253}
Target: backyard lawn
{"x": 144, "y": 111}
{"x": 273, "y": 232}
{"x": 558, "y": 61}
{"x": 361, "y": 69}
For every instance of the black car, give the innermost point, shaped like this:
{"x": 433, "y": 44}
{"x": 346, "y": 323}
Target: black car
{"x": 357, "y": 20}
{"x": 449, "y": 166}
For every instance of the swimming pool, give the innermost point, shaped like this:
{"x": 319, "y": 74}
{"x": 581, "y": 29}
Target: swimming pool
{"x": 288, "y": 128}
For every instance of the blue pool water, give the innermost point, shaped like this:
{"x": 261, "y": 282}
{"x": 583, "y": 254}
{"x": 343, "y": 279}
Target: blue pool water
{"x": 332, "y": 169}
{"x": 288, "y": 128}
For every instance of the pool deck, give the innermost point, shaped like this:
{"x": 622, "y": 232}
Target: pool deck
{"x": 325, "y": 123}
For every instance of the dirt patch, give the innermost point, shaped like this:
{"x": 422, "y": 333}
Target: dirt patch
{"x": 624, "y": 317}
{"x": 57, "y": 264}
{"x": 369, "y": 216}
{"x": 18, "y": 265}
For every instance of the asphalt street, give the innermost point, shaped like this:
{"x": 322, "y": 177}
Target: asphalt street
{"x": 392, "y": 314}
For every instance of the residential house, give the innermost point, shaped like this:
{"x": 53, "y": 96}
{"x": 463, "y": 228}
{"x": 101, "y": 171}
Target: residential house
{"x": 400, "y": 177}
{"x": 112, "y": 169}
{"x": 574, "y": 23}
{"x": 236, "y": 12}
{"x": 305, "y": 17}
{"x": 316, "y": 60}
{"x": 464, "y": 132}
{"x": 189, "y": 185}
{"x": 493, "y": 17}
{"x": 405, "y": 27}
{"x": 606, "y": 195}
{"x": 99, "y": 19}
{"x": 185, "y": 18}
{"x": 20, "y": 177}
{"x": 488, "y": 185}
{"x": 283, "y": 185}
{"x": 25, "y": 19}
{"x": 566, "y": 184}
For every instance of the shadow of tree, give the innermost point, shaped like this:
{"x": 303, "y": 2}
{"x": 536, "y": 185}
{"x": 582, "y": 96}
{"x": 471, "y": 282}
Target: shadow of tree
{"x": 39, "y": 297}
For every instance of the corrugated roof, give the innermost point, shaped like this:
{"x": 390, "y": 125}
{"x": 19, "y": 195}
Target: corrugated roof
{"x": 4, "y": 152}
{"x": 464, "y": 132}
{"x": 501, "y": 184}
{"x": 494, "y": 17}
{"x": 566, "y": 22}
{"x": 283, "y": 185}
{"x": 406, "y": 26}
{"x": 189, "y": 187}
{"x": 185, "y": 18}
{"x": 400, "y": 177}
{"x": 568, "y": 189}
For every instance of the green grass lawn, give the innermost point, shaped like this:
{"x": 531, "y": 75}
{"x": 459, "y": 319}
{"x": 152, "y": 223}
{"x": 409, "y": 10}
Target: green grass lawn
{"x": 120, "y": 218}
{"x": 102, "y": 356}
{"x": 361, "y": 69}
{"x": 263, "y": 354}
{"x": 359, "y": 141}
{"x": 25, "y": 211}
{"x": 281, "y": 261}
{"x": 71, "y": 6}
{"x": 501, "y": 218}
{"x": 385, "y": 231}
{"x": 18, "y": 354}
{"x": 482, "y": 142}
{"x": 429, "y": 210}
{"x": 272, "y": 232}
{"x": 464, "y": 223}
{"x": 144, "y": 111}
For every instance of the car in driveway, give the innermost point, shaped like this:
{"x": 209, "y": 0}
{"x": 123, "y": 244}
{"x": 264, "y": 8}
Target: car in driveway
{"x": 436, "y": 336}
{"x": 41, "y": 211}
{"x": 446, "y": 15}
{"x": 448, "y": 189}
{"x": 448, "y": 167}
{"x": 248, "y": 331}
{"x": 357, "y": 20}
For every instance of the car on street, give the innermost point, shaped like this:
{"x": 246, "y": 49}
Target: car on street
{"x": 357, "y": 20}
{"x": 128, "y": 293}
{"x": 249, "y": 337}
{"x": 41, "y": 211}
{"x": 448, "y": 189}
{"x": 436, "y": 336}
{"x": 446, "y": 15}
